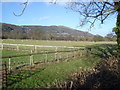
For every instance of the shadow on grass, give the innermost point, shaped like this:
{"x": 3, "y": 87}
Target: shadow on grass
{"x": 104, "y": 50}
{"x": 104, "y": 75}
{"x": 103, "y": 79}
{"x": 106, "y": 72}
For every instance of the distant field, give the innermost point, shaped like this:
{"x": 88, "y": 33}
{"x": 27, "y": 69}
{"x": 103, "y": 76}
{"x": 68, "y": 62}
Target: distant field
{"x": 54, "y": 43}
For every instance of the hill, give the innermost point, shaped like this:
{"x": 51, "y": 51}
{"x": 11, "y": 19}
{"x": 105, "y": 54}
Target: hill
{"x": 41, "y": 32}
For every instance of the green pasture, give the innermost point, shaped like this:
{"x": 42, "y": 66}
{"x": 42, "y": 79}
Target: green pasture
{"x": 48, "y": 75}
{"x": 54, "y": 43}
{"x": 37, "y": 49}
{"x": 25, "y": 60}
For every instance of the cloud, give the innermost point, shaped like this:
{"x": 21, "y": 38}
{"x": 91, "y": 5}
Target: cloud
{"x": 41, "y": 18}
{"x": 20, "y": 20}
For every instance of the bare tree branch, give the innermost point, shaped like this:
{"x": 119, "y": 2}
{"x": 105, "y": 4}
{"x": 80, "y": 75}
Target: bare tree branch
{"x": 98, "y": 11}
{"x": 25, "y": 5}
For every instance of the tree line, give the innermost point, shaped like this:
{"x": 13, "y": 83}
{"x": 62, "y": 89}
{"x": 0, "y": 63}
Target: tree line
{"x": 41, "y": 35}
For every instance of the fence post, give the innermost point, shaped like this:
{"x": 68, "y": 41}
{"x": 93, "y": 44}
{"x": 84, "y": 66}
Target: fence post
{"x": 9, "y": 65}
{"x": 74, "y": 54}
{"x": 17, "y": 47}
{"x": 2, "y": 46}
{"x": 58, "y": 57}
{"x": 35, "y": 48}
{"x": 46, "y": 57}
{"x": 56, "y": 54}
{"x": 31, "y": 59}
{"x": 56, "y": 49}
{"x": 31, "y": 51}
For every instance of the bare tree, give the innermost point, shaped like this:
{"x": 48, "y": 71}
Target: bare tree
{"x": 98, "y": 11}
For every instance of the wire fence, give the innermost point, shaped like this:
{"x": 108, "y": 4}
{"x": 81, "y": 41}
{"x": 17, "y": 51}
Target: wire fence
{"x": 19, "y": 61}
{"x": 38, "y": 55}
{"x": 35, "y": 48}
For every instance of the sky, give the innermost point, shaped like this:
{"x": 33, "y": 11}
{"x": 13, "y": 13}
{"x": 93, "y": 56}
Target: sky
{"x": 46, "y": 14}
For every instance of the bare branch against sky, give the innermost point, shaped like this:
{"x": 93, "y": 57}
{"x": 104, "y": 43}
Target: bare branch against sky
{"x": 60, "y": 0}
{"x": 25, "y": 5}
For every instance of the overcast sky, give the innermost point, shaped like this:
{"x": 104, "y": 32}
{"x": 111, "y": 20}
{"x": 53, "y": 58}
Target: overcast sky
{"x": 46, "y": 14}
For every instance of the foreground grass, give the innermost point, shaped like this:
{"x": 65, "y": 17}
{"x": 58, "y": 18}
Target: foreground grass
{"x": 46, "y": 77}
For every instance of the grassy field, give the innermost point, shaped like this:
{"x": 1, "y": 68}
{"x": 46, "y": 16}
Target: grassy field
{"x": 47, "y": 75}
{"x": 25, "y": 60}
{"x": 54, "y": 43}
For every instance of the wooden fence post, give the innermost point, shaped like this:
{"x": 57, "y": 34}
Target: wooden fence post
{"x": 17, "y": 47}
{"x": 35, "y": 48}
{"x": 56, "y": 49}
{"x": 2, "y": 46}
{"x": 56, "y": 54}
{"x": 46, "y": 57}
{"x": 31, "y": 51}
{"x": 9, "y": 65}
{"x": 31, "y": 59}
{"x": 58, "y": 57}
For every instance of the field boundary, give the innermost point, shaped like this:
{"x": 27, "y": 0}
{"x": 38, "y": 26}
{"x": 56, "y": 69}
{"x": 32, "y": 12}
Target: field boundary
{"x": 36, "y": 45}
{"x": 74, "y": 54}
{"x": 40, "y": 53}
